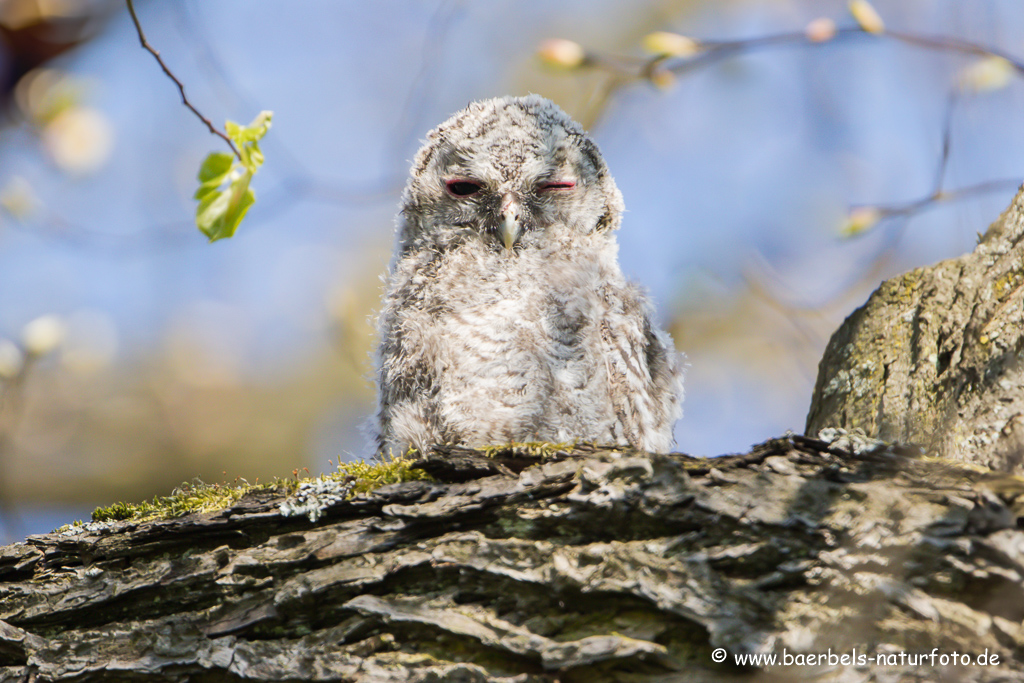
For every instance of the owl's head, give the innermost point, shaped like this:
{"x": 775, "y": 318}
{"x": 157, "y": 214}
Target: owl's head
{"x": 514, "y": 172}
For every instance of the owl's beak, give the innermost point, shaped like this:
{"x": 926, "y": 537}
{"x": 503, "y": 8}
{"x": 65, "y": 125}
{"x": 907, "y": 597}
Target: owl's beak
{"x": 509, "y": 228}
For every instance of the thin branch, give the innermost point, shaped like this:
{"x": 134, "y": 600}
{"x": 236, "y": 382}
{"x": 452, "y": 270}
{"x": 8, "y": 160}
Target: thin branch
{"x": 927, "y": 201}
{"x": 950, "y": 44}
{"x": 406, "y": 131}
{"x": 624, "y": 70}
{"x": 938, "y": 193}
{"x": 158, "y": 238}
{"x": 947, "y": 140}
{"x": 297, "y": 176}
{"x": 181, "y": 87}
{"x": 716, "y": 50}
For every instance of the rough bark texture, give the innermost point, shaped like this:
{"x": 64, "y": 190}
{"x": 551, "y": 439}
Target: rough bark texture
{"x": 934, "y": 356}
{"x": 592, "y": 565}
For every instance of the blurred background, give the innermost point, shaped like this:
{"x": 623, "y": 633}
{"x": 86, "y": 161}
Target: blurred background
{"x": 135, "y": 356}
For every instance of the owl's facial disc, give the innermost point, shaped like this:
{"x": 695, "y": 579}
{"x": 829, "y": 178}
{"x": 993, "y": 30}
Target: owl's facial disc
{"x": 511, "y": 201}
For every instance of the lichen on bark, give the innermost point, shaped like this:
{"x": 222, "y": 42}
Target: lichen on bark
{"x": 935, "y": 356}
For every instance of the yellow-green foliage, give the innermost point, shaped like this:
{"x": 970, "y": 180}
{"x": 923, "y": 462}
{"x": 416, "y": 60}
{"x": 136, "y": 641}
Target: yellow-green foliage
{"x": 541, "y": 449}
{"x": 207, "y": 497}
{"x": 186, "y": 499}
{"x": 369, "y": 475}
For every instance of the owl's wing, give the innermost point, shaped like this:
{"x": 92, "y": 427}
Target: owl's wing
{"x": 406, "y": 370}
{"x": 645, "y": 374}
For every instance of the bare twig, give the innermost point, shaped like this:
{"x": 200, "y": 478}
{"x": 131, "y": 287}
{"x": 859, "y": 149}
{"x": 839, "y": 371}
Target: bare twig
{"x": 298, "y": 181}
{"x": 948, "y": 44}
{"x": 917, "y": 205}
{"x": 716, "y": 50}
{"x": 947, "y": 140}
{"x": 938, "y": 194}
{"x": 181, "y": 87}
{"x": 624, "y": 70}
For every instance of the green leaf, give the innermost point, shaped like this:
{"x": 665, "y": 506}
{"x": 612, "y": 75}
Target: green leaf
{"x": 255, "y": 155}
{"x": 233, "y": 130}
{"x": 205, "y": 189}
{"x": 210, "y": 213}
{"x": 215, "y": 167}
{"x": 244, "y": 135}
{"x": 221, "y": 209}
{"x": 242, "y": 197}
{"x": 220, "y": 212}
{"x": 213, "y": 173}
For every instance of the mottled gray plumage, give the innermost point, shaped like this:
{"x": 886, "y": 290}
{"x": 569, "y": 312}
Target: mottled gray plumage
{"x": 506, "y": 316}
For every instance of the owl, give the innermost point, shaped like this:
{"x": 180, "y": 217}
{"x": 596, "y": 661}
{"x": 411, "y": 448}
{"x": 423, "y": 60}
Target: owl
{"x": 506, "y": 317}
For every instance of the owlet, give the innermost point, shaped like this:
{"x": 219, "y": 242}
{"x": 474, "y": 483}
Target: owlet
{"x": 506, "y": 316}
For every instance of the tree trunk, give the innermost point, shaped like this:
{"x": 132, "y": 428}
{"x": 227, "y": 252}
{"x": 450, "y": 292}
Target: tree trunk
{"x": 934, "y": 356}
{"x": 587, "y": 565}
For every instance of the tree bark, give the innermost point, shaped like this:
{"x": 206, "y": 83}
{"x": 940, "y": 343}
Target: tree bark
{"x": 934, "y": 356}
{"x": 585, "y": 565}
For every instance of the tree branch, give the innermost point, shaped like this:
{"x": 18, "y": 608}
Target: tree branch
{"x": 181, "y": 87}
{"x": 660, "y": 70}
